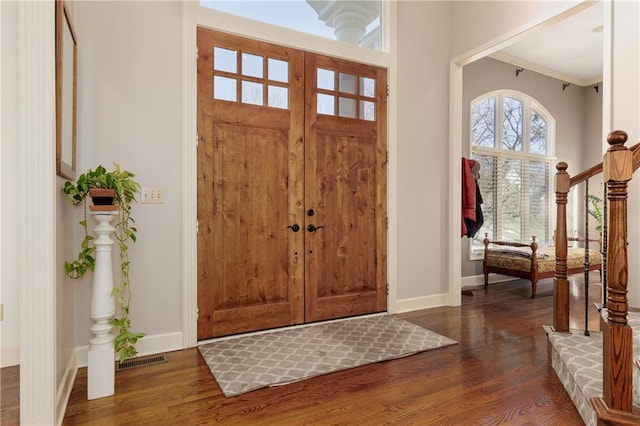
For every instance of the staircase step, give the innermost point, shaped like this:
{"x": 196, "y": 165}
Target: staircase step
{"x": 577, "y": 360}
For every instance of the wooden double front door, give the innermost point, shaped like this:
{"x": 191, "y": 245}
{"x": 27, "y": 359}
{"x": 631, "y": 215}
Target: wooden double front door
{"x": 292, "y": 217}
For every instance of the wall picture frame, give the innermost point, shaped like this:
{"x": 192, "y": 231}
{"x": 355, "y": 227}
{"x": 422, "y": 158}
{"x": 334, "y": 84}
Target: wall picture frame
{"x": 66, "y": 92}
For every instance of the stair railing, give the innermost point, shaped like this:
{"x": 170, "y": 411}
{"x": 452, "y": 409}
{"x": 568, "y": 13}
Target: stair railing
{"x": 615, "y": 407}
{"x": 561, "y": 284}
{"x": 564, "y": 183}
{"x": 616, "y": 404}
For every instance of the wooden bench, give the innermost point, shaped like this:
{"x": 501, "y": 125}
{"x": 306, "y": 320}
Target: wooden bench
{"x": 533, "y": 263}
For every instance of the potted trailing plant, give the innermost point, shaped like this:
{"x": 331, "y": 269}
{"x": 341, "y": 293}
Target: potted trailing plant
{"x": 121, "y": 189}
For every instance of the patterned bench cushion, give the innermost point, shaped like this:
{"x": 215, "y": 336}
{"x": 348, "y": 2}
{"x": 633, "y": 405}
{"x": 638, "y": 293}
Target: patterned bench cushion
{"x": 520, "y": 259}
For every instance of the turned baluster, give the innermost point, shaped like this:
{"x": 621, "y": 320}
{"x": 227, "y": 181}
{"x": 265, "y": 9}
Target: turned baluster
{"x": 100, "y": 366}
{"x": 560, "y": 282}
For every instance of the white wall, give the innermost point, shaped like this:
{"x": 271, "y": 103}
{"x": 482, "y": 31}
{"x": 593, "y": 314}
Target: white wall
{"x": 9, "y": 328}
{"x": 625, "y": 113}
{"x": 129, "y": 112}
{"x": 499, "y": 20}
{"x": 422, "y": 148}
{"x": 593, "y": 136}
{"x": 66, "y": 227}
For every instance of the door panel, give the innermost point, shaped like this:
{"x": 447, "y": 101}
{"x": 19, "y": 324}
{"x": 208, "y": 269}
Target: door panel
{"x": 250, "y": 177}
{"x": 345, "y": 185}
{"x": 341, "y": 255}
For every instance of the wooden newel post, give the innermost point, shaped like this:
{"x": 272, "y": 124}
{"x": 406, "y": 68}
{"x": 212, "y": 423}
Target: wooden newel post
{"x": 617, "y": 170}
{"x": 560, "y": 282}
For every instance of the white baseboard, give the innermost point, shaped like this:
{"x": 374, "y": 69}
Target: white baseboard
{"x": 423, "y": 302}
{"x": 478, "y": 280}
{"x": 437, "y": 300}
{"x": 9, "y": 355}
{"x": 148, "y": 345}
{"x": 64, "y": 390}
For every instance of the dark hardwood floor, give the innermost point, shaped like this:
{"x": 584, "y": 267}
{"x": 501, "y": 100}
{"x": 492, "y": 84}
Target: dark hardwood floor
{"x": 10, "y": 395}
{"x": 497, "y": 374}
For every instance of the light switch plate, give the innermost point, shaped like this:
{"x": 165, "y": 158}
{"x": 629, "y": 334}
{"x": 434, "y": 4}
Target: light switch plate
{"x": 152, "y": 196}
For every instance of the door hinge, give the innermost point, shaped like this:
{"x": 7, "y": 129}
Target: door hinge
{"x": 387, "y": 222}
{"x": 197, "y": 227}
{"x": 197, "y": 139}
{"x": 387, "y": 289}
{"x": 387, "y": 160}
{"x": 387, "y": 90}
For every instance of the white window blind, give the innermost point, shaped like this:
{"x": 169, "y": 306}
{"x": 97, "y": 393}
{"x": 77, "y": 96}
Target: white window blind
{"x": 511, "y": 137}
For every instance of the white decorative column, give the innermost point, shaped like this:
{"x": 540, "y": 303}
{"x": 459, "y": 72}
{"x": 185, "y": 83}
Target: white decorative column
{"x": 101, "y": 367}
{"x": 36, "y": 207}
{"x": 349, "y": 19}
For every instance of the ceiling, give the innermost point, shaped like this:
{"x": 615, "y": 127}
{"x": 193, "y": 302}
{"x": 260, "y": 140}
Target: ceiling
{"x": 570, "y": 50}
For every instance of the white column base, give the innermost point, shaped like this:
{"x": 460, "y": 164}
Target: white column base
{"x": 101, "y": 381}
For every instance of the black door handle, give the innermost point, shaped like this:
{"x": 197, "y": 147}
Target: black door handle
{"x": 295, "y": 227}
{"x": 312, "y": 228}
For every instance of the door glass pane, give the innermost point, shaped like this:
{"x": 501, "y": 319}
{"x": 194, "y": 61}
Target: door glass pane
{"x": 252, "y": 93}
{"x": 225, "y": 88}
{"x": 367, "y": 87}
{"x": 225, "y": 60}
{"x": 512, "y": 124}
{"x": 367, "y": 111}
{"x": 347, "y": 83}
{"x": 325, "y": 104}
{"x": 320, "y": 18}
{"x": 326, "y": 79}
{"x": 278, "y": 70}
{"x": 538, "y": 134}
{"x": 347, "y": 107}
{"x": 278, "y": 97}
{"x": 252, "y": 65}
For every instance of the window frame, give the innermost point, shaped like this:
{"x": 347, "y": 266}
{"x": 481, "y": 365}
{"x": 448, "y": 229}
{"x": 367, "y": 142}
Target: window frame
{"x": 382, "y": 39}
{"x": 529, "y": 104}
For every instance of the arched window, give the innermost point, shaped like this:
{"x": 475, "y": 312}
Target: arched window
{"x": 512, "y": 136}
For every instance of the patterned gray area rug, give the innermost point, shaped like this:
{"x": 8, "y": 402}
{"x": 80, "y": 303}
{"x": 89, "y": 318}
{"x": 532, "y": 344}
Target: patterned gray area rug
{"x": 245, "y": 363}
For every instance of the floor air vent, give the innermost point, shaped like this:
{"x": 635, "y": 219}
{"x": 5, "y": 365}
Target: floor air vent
{"x": 140, "y": 362}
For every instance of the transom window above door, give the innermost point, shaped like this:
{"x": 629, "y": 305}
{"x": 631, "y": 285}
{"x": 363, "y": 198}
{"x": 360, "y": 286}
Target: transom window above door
{"x": 250, "y": 78}
{"x": 349, "y": 21}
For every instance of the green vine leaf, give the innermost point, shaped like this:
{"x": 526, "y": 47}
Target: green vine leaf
{"x": 595, "y": 211}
